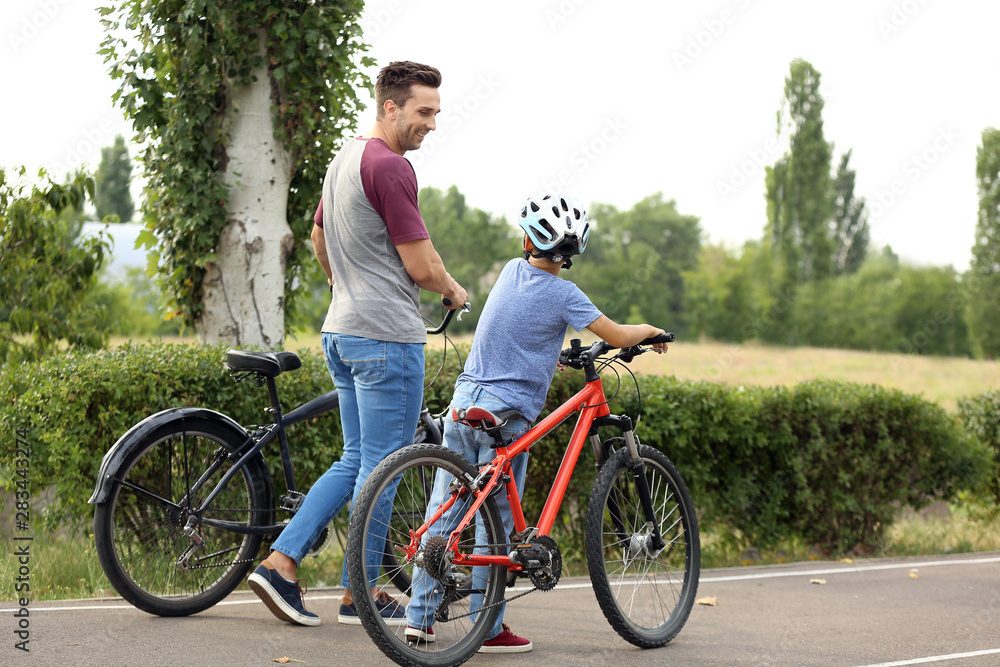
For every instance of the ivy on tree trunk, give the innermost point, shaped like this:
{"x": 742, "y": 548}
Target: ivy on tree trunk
{"x": 240, "y": 107}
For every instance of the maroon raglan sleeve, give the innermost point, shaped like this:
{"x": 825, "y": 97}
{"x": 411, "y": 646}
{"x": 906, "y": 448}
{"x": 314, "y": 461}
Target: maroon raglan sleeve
{"x": 318, "y": 215}
{"x": 391, "y": 186}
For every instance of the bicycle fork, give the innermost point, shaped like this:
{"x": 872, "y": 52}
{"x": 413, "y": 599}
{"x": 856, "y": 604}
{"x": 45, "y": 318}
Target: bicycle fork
{"x": 651, "y": 542}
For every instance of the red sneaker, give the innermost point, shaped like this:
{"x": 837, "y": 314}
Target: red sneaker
{"x": 415, "y": 635}
{"x": 506, "y": 642}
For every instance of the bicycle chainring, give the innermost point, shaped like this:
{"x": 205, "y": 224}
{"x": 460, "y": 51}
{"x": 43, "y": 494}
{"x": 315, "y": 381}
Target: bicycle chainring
{"x": 543, "y": 562}
{"x": 322, "y": 542}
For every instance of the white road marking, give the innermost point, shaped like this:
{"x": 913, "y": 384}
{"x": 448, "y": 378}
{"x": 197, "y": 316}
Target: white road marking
{"x": 936, "y": 658}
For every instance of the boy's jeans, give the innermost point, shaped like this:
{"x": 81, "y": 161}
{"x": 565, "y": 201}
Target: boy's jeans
{"x": 474, "y": 446}
{"x": 381, "y": 387}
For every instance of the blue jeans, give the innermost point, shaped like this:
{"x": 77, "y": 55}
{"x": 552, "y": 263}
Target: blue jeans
{"x": 475, "y": 446}
{"x": 381, "y": 387}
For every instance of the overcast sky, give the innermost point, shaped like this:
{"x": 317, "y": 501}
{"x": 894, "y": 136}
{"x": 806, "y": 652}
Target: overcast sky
{"x": 615, "y": 101}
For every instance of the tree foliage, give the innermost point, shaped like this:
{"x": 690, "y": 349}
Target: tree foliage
{"x": 984, "y": 275}
{"x": 473, "y": 244}
{"x": 112, "y": 195}
{"x": 799, "y": 187}
{"x": 176, "y": 60}
{"x": 850, "y": 231}
{"x": 635, "y": 260}
{"x": 883, "y": 306}
{"x": 44, "y": 270}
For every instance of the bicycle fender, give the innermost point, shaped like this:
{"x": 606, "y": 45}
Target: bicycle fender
{"x": 132, "y": 439}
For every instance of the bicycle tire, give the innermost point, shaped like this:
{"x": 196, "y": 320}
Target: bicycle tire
{"x": 138, "y": 530}
{"x": 646, "y": 596}
{"x": 470, "y": 617}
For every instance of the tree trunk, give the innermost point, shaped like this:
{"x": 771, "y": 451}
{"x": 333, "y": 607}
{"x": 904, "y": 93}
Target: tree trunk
{"x": 244, "y": 289}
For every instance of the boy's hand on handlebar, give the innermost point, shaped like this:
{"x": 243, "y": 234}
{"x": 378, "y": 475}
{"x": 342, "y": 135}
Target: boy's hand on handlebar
{"x": 659, "y": 348}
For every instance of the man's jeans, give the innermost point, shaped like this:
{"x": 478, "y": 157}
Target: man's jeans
{"x": 474, "y": 446}
{"x": 381, "y": 387}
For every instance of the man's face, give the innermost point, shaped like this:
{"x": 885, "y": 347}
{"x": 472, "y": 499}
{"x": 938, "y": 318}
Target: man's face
{"x": 416, "y": 117}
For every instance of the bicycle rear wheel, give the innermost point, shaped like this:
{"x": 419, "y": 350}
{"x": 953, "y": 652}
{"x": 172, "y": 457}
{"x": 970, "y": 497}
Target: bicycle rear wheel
{"x": 645, "y": 593}
{"x": 139, "y": 532}
{"x": 386, "y": 503}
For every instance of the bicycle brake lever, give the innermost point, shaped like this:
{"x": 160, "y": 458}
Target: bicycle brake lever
{"x": 627, "y": 354}
{"x": 466, "y": 308}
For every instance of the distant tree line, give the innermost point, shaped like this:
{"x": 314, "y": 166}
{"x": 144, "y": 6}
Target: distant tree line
{"x": 810, "y": 279}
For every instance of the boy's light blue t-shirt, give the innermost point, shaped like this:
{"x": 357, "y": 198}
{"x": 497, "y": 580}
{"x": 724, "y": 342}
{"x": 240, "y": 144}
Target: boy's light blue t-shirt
{"x": 521, "y": 332}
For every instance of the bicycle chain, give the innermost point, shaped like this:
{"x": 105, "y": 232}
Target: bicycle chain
{"x": 235, "y": 562}
{"x": 505, "y": 599}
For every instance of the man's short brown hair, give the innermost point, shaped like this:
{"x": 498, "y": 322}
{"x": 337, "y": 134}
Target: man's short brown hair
{"x": 396, "y": 79}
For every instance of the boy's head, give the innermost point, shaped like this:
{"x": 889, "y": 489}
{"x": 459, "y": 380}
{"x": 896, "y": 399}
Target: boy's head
{"x": 556, "y": 227}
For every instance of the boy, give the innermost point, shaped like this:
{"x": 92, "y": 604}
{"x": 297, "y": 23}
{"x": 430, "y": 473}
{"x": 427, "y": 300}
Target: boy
{"x": 513, "y": 358}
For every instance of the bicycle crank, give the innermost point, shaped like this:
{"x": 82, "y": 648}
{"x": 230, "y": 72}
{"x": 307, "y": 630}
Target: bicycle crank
{"x": 541, "y": 559}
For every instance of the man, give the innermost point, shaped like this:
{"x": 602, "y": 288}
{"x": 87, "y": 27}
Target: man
{"x": 377, "y": 254}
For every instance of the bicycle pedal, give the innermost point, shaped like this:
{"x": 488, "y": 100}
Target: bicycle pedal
{"x": 291, "y": 502}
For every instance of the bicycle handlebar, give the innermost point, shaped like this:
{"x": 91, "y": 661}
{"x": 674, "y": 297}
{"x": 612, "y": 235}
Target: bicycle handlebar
{"x": 448, "y": 316}
{"x": 575, "y": 356}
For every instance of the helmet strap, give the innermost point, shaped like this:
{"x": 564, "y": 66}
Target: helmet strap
{"x": 542, "y": 255}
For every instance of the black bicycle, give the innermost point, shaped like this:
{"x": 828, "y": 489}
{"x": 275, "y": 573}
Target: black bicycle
{"x": 185, "y": 498}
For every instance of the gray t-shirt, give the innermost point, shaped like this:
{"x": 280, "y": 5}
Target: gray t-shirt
{"x": 370, "y": 207}
{"x": 520, "y": 333}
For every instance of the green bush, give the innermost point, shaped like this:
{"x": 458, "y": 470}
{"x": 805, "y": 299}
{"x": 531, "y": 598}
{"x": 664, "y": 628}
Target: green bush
{"x": 825, "y": 462}
{"x": 830, "y": 463}
{"x": 76, "y": 406}
{"x": 981, "y": 417}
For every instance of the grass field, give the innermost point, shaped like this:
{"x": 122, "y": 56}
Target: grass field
{"x": 942, "y": 380}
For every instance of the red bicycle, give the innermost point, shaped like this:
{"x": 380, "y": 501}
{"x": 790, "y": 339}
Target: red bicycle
{"x": 642, "y": 539}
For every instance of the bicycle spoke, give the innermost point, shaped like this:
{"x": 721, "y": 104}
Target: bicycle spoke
{"x": 646, "y": 593}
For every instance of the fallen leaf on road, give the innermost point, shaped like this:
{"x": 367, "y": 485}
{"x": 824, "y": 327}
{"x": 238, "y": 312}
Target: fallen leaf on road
{"x": 817, "y": 581}
{"x": 846, "y": 560}
{"x": 708, "y": 601}
{"x": 913, "y": 574}
{"x": 284, "y": 660}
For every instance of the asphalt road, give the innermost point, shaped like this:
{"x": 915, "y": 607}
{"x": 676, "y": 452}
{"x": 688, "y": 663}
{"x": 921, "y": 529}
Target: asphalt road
{"x": 936, "y": 610}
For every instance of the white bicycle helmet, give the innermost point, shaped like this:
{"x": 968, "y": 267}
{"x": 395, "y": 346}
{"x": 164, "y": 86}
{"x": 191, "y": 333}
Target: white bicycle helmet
{"x": 557, "y": 226}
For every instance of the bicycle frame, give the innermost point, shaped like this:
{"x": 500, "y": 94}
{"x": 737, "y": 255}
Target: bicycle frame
{"x": 317, "y": 406}
{"x": 592, "y": 405}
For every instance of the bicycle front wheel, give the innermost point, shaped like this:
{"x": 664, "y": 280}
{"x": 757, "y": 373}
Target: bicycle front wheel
{"x": 645, "y": 591}
{"x": 139, "y": 529}
{"x": 455, "y": 608}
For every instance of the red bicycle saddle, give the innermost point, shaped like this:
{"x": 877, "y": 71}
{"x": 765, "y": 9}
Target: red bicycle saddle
{"x": 483, "y": 419}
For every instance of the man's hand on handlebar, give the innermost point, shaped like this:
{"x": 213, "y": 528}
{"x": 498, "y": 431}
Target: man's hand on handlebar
{"x": 457, "y": 298}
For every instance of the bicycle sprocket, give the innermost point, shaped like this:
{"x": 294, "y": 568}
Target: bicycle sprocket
{"x": 542, "y": 561}
{"x": 436, "y": 557}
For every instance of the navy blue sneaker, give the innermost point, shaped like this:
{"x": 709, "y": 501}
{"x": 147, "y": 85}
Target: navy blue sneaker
{"x": 392, "y": 612}
{"x": 282, "y": 597}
